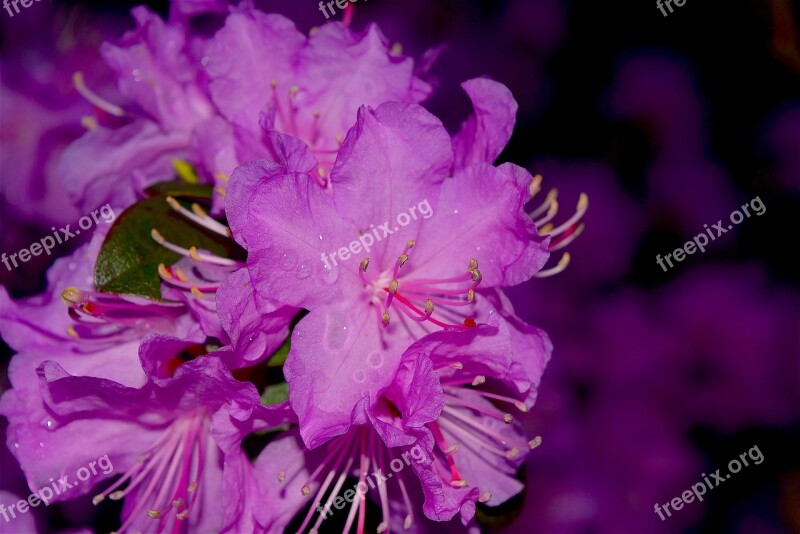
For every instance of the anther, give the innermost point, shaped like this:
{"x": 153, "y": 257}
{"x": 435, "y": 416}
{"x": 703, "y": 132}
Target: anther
{"x": 402, "y": 260}
{"x": 197, "y": 293}
{"x": 535, "y": 442}
{"x": 72, "y": 332}
{"x": 163, "y": 272}
{"x": 521, "y": 406}
{"x": 200, "y": 212}
{"x": 470, "y": 295}
{"x": 393, "y": 285}
{"x": 154, "y": 514}
{"x": 385, "y": 318}
{"x": 382, "y": 527}
{"x": 116, "y": 495}
{"x": 408, "y": 522}
{"x": 535, "y": 186}
{"x": 473, "y": 264}
{"x": 452, "y": 449}
{"x": 476, "y": 275}
{"x": 480, "y": 379}
{"x": 194, "y": 254}
{"x": 97, "y": 499}
{"x": 192, "y": 486}
{"x": 485, "y": 497}
{"x": 458, "y": 483}
{"x": 306, "y": 490}
{"x": 71, "y": 295}
{"x": 428, "y": 307}
{"x": 177, "y": 503}
{"x": 512, "y": 453}
{"x": 364, "y": 264}
{"x": 157, "y": 237}
{"x": 508, "y": 418}
{"x": 182, "y": 515}
{"x": 281, "y": 476}
{"x": 457, "y": 366}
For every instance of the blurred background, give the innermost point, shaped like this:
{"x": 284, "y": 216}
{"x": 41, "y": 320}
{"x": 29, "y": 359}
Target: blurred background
{"x": 668, "y": 123}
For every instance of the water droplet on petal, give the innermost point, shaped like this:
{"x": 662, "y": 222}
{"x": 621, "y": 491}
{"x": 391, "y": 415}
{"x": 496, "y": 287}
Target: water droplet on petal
{"x": 137, "y": 75}
{"x": 330, "y": 275}
{"x": 303, "y": 272}
{"x": 359, "y": 375}
{"x": 288, "y": 260}
{"x": 375, "y": 360}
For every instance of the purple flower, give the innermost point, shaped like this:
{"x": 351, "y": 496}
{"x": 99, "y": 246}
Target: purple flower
{"x": 382, "y": 449}
{"x": 172, "y": 439}
{"x": 483, "y": 375}
{"x": 414, "y": 278}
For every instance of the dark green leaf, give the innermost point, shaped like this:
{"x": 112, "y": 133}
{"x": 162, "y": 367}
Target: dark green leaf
{"x": 129, "y": 257}
{"x": 275, "y": 394}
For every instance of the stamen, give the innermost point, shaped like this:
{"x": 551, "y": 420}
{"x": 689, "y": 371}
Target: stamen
{"x": 80, "y": 85}
{"x": 580, "y": 211}
{"x": 559, "y": 268}
{"x": 200, "y": 218}
{"x": 551, "y": 197}
{"x": 568, "y": 237}
{"x": 192, "y": 252}
{"x": 535, "y": 186}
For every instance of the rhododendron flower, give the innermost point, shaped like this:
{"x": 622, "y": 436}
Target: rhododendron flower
{"x": 416, "y": 279}
{"x": 163, "y": 437}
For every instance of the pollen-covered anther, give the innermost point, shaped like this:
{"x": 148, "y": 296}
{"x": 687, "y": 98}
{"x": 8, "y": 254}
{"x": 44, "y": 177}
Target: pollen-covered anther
{"x": 457, "y": 366}
{"x": 428, "y": 307}
{"x": 199, "y": 211}
{"x": 385, "y": 318}
{"x": 174, "y": 204}
{"x": 71, "y": 332}
{"x": 535, "y": 442}
{"x": 485, "y": 497}
{"x": 364, "y": 264}
{"x": 512, "y": 453}
{"x": 194, "y": 254}
{"x": 408, "y": 521}
{"x": 458, "y": 483}
{"x": 182, "y": 515}
{"x": 163, "y": 272}
{"x": 382, "y": 527}
{"x": 470, "y": 295}
{"x": 192, "y": 486}
{"x": 154, "y": 514}
{"x": 535, "y": 186}
{"x": 157, "y": 237}
{"x": 521, "y": 406}
{"x": 478, "y": 380}
{"x": 476, "y": 275}
{"x": 71, "y": 295}
{"x": 393, "y": 285}
{"x": 410, "y": 244}
{"x": 473, "y": 264}
{"x": 306, "y": 490}
{"x": 97, "y": 499}
{"x": 282, "y": 476}
{"x": 452, "y": 449}
{"x": 116, "y": 495}
{"x": 177, "y": 503}
{"x": 508, "y": 418}
{"x": 197, "y": 293}
{"x": 402, "y": 260}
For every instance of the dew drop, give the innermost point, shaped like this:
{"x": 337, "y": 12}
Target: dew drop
{"x": 204, "y": 61}
{"x": 330, "y": 275}
{"x": 16, "y": 445}
{"x": 375, "y": 360}
{"x": 137, "y": 75}
{"x": 303, "y": 272}
{"x": 288, "y": 260}
{"x": 359, "y": 375}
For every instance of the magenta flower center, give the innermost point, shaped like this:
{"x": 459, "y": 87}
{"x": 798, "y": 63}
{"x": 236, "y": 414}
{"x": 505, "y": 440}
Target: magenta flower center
{"x": 396, "y": 290}
{"x": 166, "y": 478}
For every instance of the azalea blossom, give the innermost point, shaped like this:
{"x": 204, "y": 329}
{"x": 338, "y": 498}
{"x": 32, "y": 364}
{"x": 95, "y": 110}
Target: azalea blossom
{"x": 417, "y": 280}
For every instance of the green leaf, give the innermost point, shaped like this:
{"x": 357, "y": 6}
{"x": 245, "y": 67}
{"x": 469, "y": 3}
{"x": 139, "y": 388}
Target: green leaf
{"x": 129, "y": 257}
{"x": 278, "y": 358}
{"x": 275, "y": 394}
{"x": 181, "y": 189}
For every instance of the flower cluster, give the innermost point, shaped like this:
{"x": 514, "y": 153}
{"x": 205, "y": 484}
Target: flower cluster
{"x": 285, "y": 145}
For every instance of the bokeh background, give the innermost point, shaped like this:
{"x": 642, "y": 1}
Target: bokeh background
{"x": 668, "y": 123}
